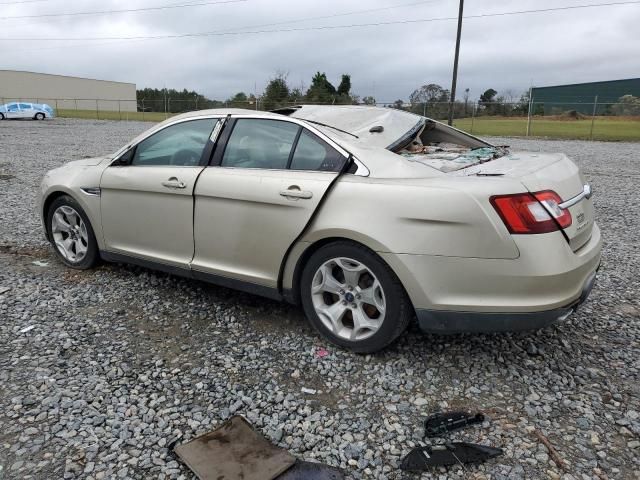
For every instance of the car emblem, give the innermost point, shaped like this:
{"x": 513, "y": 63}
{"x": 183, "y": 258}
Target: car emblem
{"x": 349, "y": 297}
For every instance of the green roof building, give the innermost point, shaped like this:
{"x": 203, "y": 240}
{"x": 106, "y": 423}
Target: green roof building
{"x": 580, "y": 96}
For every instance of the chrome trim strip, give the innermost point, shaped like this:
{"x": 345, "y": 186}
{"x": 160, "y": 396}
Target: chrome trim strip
{"x": 92, "y": 191}
{"x": 586, "y": 193}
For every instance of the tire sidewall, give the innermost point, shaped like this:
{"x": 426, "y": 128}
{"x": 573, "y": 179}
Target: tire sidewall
{"x": 1, "y": 116}
{"x": 92, "y": 255}
{"x": 40, "y": 116}
{"x": 393, "y": 292}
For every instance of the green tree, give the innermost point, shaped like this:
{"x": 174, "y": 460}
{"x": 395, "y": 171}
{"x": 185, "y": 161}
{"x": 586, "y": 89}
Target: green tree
{"x": 276, "y": 94}
{"x": 430, "y": 99}
{"x": 369, "y": 100}
{"x": 345, "y": 85}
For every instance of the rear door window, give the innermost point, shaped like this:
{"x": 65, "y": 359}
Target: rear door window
{"x": 259, "y": 143}
{"x": 312, "y": 153}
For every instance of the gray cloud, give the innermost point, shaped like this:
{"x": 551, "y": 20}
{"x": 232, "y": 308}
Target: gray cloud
{"x": 505, "y": 53}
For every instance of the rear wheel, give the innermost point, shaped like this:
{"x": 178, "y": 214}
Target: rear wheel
{"x": 353, "y": 298}
{"x": 1, "y": 116}
{"x": 71, "y": 234}
{"x": 39, "y": 116}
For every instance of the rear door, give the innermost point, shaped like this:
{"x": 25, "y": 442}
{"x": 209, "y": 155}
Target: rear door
{"x": 147, "y": 194}
{"x": 268, "y": 179}
{"x": 26, "y": 110}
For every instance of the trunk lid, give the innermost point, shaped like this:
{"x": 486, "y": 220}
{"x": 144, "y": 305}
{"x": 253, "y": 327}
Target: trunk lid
{"x": 547, "y": 171}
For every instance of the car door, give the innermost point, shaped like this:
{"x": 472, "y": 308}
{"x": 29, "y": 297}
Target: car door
{"x": 251, "y": 205}
{"x": 13, "y": 111}
{"x": 147, "y": 194}
{"x": 26, "y": 110}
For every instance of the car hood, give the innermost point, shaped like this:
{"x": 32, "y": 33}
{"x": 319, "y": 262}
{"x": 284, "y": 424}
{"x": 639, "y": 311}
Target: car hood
{"x": 86, "y": 162}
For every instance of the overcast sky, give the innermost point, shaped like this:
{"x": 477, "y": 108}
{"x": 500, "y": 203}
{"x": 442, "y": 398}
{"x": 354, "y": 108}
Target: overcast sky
{"x": 507, "y": 53}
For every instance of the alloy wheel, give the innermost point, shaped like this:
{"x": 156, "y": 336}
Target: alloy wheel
{"x": 69, "y": 233}
{"x": 348, "y": 298}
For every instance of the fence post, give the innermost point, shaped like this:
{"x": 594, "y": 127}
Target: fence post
{"x": 143, "y": 109}
{"x": 593, "y": 117}
{"x": 97, "y": 111}
{"x": 57, "y": 107}
{"x": 529, "y": 114}
{"x": 75, "y": 101}
{"x": 119, "y": 111}
{"x": 473, "y": 117}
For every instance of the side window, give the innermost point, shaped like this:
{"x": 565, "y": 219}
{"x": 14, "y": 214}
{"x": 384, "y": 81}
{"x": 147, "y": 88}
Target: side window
{"x": 12, "y": 107}
{"x": 258, "y": 143}
{"x": 178, "y": 145}
{"x": 25, "y": 106}
{"x": 314, "y": 154}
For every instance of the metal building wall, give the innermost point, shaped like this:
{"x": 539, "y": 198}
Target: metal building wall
{"x": 67, "y": 92}
{"x": 581, "y": 96}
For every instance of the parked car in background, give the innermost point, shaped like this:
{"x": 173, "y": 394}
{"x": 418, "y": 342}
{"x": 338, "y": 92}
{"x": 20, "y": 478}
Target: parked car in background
{"x": 365, "y": 216}
{"x": 36, "y": 111}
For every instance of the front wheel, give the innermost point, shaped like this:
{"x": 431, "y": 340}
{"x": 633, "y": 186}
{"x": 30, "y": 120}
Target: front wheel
{"x": 39, "y": 116}
{"x": 353, "y": 298}
{"x": 1, "y": 116}
{"x": 71, "y": 234}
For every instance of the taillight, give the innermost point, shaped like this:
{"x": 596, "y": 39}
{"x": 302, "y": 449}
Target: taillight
{"x": 551, "y": 201}
{"x": 538, "y": 212}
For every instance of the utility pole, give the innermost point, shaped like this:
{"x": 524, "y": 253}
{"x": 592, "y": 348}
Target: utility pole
{"x": 455, "y": 65}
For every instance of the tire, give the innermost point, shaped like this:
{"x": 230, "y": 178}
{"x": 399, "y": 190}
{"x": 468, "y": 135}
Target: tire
{"x": 65, "y": 212}
{"x": 375, "y": 292}
{"x": 1, "y": 116}
{"x": 39, "y": 116}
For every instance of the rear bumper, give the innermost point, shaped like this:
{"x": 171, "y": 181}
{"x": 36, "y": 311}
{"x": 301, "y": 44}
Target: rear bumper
{"x": 448, "y": 322}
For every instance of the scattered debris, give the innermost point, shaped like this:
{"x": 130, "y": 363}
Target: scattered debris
{"x": 6, "y": 176}
{"x": 439, "y": 423}
{"x": 553, "y": 453}
{"x": 40, "y": 263}
{"x": 27, "y": 329}
{"x": 456, "y": 453}
{"x": 310, "y": 391}
{"x": 4, "y": 290}
{"x": 234, "y": 450}
{"x": 312, "y": 471}
{"x": 322, "y": 352}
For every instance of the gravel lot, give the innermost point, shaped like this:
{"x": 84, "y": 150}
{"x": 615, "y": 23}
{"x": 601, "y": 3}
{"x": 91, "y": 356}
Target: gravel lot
{"x": 103, "y": 372}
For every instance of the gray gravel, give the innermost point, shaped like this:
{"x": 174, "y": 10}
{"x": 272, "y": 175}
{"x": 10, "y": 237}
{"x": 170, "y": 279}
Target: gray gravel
{"x": 103, "y": 372}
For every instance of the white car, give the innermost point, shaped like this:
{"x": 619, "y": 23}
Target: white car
{"x": 36, "y": 111}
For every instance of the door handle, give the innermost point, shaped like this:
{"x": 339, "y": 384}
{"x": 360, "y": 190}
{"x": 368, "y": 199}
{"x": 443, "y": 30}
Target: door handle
{"x": 174, "y": 183}
{"x": 295, "y": 192}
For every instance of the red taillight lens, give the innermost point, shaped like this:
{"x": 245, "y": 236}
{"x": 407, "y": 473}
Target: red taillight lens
{"x": 551, "y": 201}
{"x": 531, "y": 213}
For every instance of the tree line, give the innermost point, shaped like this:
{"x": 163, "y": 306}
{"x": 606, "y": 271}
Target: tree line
{"x": 431, "y": 100}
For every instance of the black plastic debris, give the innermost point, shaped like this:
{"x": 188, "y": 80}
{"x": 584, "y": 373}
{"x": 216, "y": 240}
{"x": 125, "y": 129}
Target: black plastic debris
{"x": 439, "y": 423}
{"x": 302, "y": 470}
{"x": 456, "y": 453}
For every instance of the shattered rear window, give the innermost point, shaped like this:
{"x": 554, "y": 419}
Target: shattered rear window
{"x": 448, "y": 157}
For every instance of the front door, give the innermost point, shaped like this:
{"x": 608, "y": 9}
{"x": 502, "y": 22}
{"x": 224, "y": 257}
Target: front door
{"x": 251, "y": 208}
{"x": 147, "y": 196}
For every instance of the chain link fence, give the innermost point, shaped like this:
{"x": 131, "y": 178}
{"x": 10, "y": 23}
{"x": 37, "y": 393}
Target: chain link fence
{"x": 586, "y": 120}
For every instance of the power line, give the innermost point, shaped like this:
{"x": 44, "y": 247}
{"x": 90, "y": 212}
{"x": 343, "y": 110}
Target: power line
{"x": 127, "y": 10}
{"x": 22, "y": 1}
{"x": 323, "y": 27}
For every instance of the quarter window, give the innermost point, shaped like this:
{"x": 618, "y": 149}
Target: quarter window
{"x": 314, "y": 154}
{"x": 25, "y": 106}
{"x": 258, "y": 143}
{"x": 178, "y": 145}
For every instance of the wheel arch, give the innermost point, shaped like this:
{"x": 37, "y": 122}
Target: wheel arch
{"x": 90, "y": 210}
{"x": 302, "y": 252}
